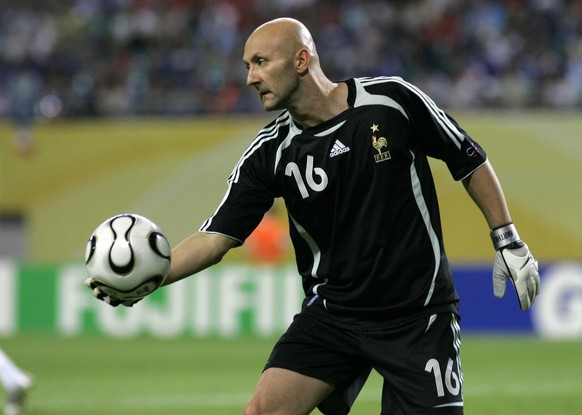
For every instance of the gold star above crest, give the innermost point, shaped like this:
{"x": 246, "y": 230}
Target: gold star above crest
{"x": 374, "y": 128}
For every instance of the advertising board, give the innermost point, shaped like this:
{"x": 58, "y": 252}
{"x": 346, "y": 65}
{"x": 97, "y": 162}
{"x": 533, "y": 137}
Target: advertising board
{"x": 240, "y": 299}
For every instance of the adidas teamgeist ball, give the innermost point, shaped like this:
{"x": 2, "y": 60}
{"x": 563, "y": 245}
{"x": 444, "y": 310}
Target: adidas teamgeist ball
{"x": 128, "y": 256}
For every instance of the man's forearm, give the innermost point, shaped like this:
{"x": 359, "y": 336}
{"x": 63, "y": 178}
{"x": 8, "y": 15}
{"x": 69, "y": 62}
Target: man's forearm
{"x": 485, "y": 190}
{"x": 196, "y": 253}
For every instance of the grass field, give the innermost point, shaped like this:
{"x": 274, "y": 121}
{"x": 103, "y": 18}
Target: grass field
{"x": 96, "y": 375}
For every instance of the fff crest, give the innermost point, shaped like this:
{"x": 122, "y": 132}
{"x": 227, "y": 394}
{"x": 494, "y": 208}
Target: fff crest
{"x": 379, "y": 143}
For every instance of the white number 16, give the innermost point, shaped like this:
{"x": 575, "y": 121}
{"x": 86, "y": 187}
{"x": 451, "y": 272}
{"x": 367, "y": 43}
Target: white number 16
{"x": 310, "y": 171}
{"x": 451, "y": 379}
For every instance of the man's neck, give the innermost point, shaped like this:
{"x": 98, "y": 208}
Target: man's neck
{"x": 329, "y": 101}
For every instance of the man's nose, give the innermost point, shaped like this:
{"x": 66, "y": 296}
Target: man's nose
{"x": 252, "y": 78}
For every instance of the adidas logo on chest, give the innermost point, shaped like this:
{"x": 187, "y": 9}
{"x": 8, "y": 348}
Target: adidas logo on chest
{"x": 338, "y": 148}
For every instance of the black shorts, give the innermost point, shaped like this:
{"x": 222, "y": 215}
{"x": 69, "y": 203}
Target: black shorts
{"x": 418, "y": 358}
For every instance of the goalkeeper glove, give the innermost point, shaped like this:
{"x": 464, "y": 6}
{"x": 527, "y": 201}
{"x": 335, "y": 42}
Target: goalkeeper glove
{"x": 110, "y": 295}
{"x": 513, "y": 260}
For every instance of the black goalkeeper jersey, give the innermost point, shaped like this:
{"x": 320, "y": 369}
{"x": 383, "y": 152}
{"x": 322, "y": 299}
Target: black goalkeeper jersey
{"x": 362, "y": 206}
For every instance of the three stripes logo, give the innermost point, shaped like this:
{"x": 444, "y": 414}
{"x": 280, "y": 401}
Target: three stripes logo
{"x": 338, "y": 148}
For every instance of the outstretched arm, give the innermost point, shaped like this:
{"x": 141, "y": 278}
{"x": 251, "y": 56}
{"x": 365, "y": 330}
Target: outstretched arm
{"x": 513, "y": 259}
{"x": 197, "y": 252}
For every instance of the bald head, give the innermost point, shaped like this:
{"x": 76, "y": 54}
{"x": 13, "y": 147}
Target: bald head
{"x": 282, "y": 64}
{"x": 284, "y": 34}
{"x": 291, "y": 32}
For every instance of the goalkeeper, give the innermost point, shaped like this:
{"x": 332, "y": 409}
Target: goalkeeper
{"x": 350, "y": 160}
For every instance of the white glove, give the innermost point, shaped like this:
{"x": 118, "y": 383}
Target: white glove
{"x": 516, "y": 262}
{"x": 109, "y": 295}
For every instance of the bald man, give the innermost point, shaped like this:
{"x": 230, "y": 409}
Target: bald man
{"x": 350, "y": 161}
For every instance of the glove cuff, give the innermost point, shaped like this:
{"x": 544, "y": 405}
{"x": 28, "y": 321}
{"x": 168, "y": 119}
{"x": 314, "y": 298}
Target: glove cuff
{"x": 504, "y": 235}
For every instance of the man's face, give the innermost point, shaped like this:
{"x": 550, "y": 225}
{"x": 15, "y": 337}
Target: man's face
{"x": 271, "y": 69}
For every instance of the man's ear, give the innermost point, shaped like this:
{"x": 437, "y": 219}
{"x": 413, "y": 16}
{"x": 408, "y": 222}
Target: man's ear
{"x": 303, "y": 60}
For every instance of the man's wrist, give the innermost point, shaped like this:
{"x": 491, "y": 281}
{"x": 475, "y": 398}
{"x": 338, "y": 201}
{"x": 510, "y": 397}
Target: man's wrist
{"x": 504, "y": 235}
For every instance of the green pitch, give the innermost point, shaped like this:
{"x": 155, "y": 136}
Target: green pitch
{"x": 96, "y": 375}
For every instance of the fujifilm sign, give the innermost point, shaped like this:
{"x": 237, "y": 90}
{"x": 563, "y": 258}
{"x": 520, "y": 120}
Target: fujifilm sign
{"x": 240, "y": 299}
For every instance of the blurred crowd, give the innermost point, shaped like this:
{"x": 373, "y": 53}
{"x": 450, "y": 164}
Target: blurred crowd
{"x": 66, "y": 58}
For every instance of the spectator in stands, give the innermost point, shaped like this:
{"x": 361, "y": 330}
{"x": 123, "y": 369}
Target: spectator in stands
{"x": 175, "y": 57}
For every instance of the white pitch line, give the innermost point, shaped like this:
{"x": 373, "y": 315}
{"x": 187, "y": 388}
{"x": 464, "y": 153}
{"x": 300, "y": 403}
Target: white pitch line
{"x": 552, "y": 135}
{"x": 238, "y": 400}
{"x": 193, "y": 170}
{"x": 526, "y": 389}
{"x": 143, "y": 402}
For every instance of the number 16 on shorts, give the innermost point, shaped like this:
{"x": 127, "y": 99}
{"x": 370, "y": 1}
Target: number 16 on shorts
{"x": 450, "y": 380}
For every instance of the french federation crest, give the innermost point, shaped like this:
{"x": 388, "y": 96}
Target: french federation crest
{"x": 379, "y": 143}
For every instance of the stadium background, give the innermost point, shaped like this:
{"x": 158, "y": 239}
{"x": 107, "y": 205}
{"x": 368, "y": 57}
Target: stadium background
{"x": 140, "y": 106}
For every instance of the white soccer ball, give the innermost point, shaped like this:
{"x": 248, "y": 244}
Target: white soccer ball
{"x": 128, "y": 255}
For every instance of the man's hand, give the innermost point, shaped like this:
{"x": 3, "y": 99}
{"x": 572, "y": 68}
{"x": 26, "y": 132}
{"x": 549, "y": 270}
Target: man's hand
{"x": 516, "y": 262}
{"x": 110, "y": 295}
